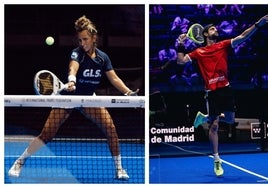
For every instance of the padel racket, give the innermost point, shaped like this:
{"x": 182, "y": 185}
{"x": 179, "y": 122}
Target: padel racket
{"x": 195, "y": 33}
{"x": 47, "y": 83}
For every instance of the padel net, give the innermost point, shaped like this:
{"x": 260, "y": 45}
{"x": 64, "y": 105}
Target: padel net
{"x": 79, "y": 152}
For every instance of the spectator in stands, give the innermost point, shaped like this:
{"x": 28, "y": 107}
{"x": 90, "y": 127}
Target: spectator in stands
{"x": 167, "y": 54}
{"x": 186, "y": 75}
{"x": 156, "y": 9}
{"x": 180, "y": 25}
{"x": 190, "y": 74}
{"x": 228, "y": 27}
{"x": 167, "y": 57}
{"x": 220, "y": 10}
{"x": 189, "y": 44}
{"x": 236, "y": 9}
{"x": 244, "y": 49}
{"x": 232, "y": 9}
{"x": 206, "y": 8}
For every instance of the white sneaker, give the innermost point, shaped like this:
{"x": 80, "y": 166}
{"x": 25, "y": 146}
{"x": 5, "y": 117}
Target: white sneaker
{"x": 200, "y": 118}
{"x": 121, "y": 174}
{"x": 16, "y": 168}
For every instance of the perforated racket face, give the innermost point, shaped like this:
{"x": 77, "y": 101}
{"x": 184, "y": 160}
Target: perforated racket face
{"x": 45, "y": 84}
{"x": 195, "y": 33}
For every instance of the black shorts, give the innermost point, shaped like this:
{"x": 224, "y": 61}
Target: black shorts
{"x": 219, "y": 101}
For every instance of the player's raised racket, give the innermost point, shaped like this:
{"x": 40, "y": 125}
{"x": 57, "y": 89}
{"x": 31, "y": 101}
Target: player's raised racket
{"x": 47, "y": 83}
{"x": 194, "y": 33}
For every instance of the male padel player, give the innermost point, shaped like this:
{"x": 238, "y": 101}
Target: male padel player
{"x": 86, "y": 67}
{"x": 212, "y": 62}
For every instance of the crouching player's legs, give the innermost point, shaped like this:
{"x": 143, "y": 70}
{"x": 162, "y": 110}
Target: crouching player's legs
{"x": 103, "y": 119}
{"x": 55, "y": 119}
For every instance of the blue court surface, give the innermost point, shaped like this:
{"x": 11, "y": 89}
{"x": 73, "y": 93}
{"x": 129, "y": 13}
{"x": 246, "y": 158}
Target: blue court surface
{"x": 75, "y": 162}
{"x": 247, "y": 168}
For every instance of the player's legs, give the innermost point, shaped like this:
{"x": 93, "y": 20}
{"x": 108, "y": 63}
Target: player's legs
{"x": 212, "y": 101}
{"x": 228, "y": 107}
{"x": 213, "y": 119}
{"x": 102, "y": 118}
{"x": 55, "y": 119}
{"x": 229, "y": 119}
{"x": 222, "y": 100}
{"x": 214, "y": 139}
{"x": 53, "y": 122}
{"x": 213, "y": 135}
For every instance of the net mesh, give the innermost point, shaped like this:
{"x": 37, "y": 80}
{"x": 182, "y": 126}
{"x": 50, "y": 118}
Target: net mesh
{"x": 79, "y": 136}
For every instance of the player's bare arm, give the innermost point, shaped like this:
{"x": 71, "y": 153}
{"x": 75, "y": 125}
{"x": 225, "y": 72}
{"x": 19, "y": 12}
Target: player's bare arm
{"x": 119, "y": 84}
{"x": 73, "y": 68}
{"x": 250, "y": 31}
{"x": 182, "y": 58}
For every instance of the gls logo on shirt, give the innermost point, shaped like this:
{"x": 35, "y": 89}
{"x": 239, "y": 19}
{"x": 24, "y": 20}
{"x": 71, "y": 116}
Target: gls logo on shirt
{"x": 92, "y": 73}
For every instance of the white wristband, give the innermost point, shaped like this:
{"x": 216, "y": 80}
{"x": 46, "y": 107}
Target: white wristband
{"x": 72, "y": 78}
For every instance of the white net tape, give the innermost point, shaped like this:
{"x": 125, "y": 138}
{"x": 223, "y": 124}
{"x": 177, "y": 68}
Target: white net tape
{"x": 64, "y": 101}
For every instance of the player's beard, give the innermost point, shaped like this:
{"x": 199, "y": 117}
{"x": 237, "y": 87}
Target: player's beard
{"x": 214, "y": 36}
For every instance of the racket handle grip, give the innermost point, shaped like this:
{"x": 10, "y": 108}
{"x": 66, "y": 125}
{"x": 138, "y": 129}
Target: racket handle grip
{"x": 66, "y": 87}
